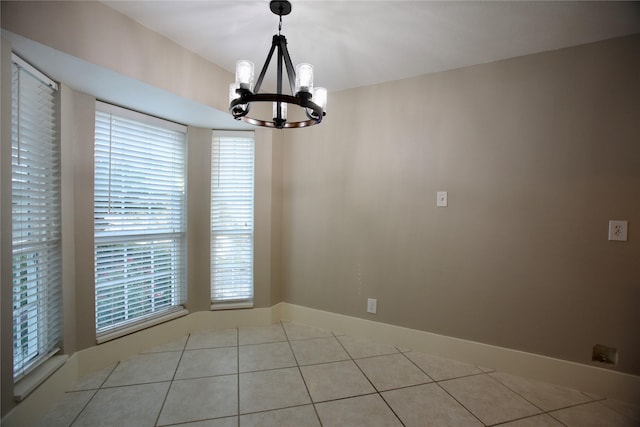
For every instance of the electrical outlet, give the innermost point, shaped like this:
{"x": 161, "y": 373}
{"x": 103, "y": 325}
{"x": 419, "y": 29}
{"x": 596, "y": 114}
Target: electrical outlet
{"x": 372, "y": 305}
{"x": 618, "y": 230}
{"x": 603, "y": 354}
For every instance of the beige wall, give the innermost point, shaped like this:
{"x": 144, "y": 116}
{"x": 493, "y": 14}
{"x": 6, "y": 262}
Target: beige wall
{"x": 276, "y": 217}
{"x": 537, "y": 153}
{"x": 96, "y": 33}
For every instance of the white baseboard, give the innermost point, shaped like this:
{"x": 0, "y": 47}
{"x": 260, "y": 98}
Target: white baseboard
{"x": 50, "y": 392}
{"x": 591, "y": 379}
{"x": 98, "y": 357}
{"x": 46, "y": 396}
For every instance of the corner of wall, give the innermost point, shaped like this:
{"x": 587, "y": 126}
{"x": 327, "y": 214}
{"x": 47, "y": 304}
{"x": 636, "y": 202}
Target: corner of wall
{"x": 6, "y": 367}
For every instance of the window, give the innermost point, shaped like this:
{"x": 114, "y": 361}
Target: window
{"x": 139, "y": 211}
{"x": 232, "y": 160}
{"x": 36, "y": 235}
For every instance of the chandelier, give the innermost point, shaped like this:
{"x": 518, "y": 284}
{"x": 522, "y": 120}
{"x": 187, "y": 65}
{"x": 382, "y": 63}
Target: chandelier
{"x": 313, "y": 100}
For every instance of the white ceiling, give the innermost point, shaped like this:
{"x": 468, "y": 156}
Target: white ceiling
{"x": 356, "y": 43}
{"x": 351, "y": 43}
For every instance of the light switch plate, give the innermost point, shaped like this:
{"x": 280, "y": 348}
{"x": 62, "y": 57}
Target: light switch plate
{"x": 618, "y": 230}
{"x": 441, "y": 199}
{"x": 372, "y": 305}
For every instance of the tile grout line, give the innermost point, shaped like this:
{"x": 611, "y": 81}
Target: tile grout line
{"x": 84, "y": 407}
{"x": 516, "y": 393}
{"x": 289, "y": 340}
{"x": 301, "y": 405}
{"x": 371, "y": 382}
{"x": 95, "y": 392}
{"x": 138, "y": 384}
{"x": 377, "y": 355}
{"x": 556, "y": 419}
{"x": 548, "y": 412}
{"x": 392, "y": 410}
{"x": 444, "y": 379}
{"x": 501, "y": 423}
{"x": 338, "y": 399}
{"x": 461, "y": 404}
{"x": 164, "y": 400}
{"x": 437, "y": 383}
{"x": 313, "y": 405}
{"x": 107, "y": 377}
{"x": 617, "y": 411}
{"x": 543, "y": 411}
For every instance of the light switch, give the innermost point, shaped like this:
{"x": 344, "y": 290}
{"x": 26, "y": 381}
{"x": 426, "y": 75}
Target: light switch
{"x": 442, "y": 199}
{"x": 372, "y": 305}
{"x": 618, "y": 230}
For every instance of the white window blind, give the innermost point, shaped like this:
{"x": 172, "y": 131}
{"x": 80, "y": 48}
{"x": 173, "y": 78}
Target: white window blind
{"x": 232, "y": 183}
{"x": 139, "y": 216}
{"x": 36, "y": 225}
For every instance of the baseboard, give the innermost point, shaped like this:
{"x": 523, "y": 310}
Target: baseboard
{"x": 46, "y": 396}
{"x": 50, "y": 392}
{"x": 103, "y": 355}
{"x": 591, "y": 379}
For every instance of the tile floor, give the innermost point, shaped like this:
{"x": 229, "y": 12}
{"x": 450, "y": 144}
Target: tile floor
{"x": 289, "y": 374}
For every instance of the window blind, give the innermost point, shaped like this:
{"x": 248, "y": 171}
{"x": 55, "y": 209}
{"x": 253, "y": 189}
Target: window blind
{"x": 139, "y": 207}
{"x": 232, "y": 189}
{"x": 36, "y": 221}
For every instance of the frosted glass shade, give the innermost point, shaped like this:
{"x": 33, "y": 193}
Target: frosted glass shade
{"x": 304, "y": 78}
{"x": 244, "y": 74}
{"x": 232, "y": 92}
{"x": 320, "y": 97}
{"x": 283, "y": 110}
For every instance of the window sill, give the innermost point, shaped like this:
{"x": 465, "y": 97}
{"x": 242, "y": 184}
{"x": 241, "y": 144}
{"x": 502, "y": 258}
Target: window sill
{"x": 138, "y": 326}
{"x": 231, "y": 305}
{"x": 31, "y": 381}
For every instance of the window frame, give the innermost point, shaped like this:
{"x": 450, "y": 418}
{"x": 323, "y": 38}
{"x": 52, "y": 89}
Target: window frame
{"x": 36, "y": 217}
{"x": 129, "y": 242}
{"x": 246, "y": 300}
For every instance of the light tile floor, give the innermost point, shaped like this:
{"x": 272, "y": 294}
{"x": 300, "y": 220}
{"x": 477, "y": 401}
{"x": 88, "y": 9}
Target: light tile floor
{"x": 289, "y": 374}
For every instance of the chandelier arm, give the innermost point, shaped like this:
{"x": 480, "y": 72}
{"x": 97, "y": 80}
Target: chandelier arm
{"x": 291, "y": 73}
{"x": 265, "y": 66}
{"x": 279, "y": 71}
{"x": 315, "y": 108}
{"x": 284, "y": 57}
{"x": 311, "y": 116}
{"x": 236, "y": 109}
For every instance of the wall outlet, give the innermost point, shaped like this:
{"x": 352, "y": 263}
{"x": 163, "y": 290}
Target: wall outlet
{"x": 372, "y": 305}
{"x": 603, "y": 354}
{"x": 618, "y": 230}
